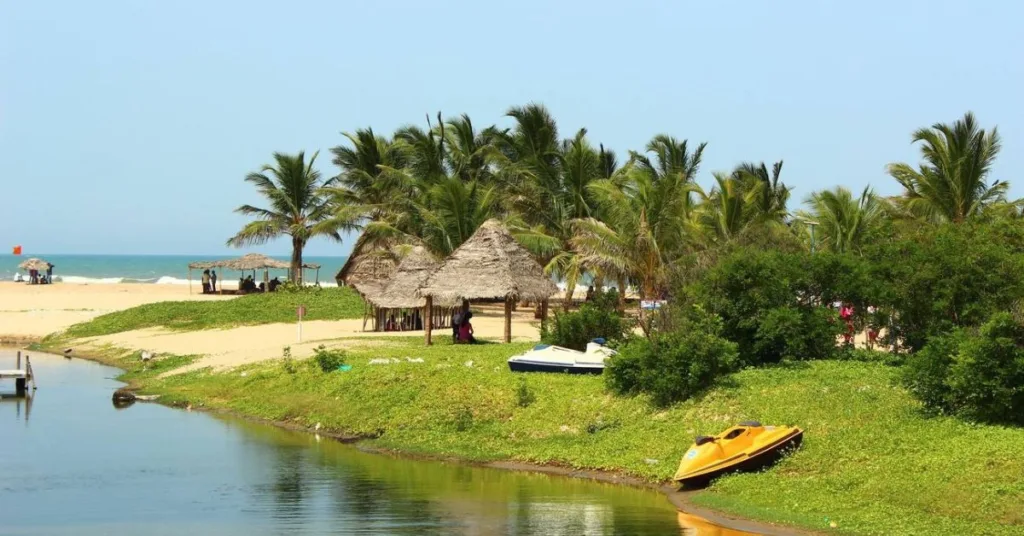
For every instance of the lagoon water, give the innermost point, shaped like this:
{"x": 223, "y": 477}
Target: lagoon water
{"x": 72, "y": 464}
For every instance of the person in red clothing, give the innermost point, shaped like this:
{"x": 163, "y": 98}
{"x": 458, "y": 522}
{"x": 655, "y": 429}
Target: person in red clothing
{"x": 466, "y": 331}
{"x": 846, "y": 313}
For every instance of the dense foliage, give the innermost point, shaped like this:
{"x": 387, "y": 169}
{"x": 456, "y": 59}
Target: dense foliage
{"x": 774, "y": 305}
{"x": 977, "y": 374}
{"x": 597, "y": 319}
{"x": 672, "y": 366}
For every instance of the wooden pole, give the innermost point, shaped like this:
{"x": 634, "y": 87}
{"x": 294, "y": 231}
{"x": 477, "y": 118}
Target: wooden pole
{"x": 429, "y": 307}
{"x": 543, "y": 312}
{"x": 508, "y": 319}
{"x": 190, "y": 281}
{"x": 19, "y": 360}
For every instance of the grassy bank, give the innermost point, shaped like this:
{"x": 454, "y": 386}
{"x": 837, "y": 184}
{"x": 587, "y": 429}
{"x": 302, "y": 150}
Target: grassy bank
{"x": 871, "y": 463}
{"x": 252, "y": 309}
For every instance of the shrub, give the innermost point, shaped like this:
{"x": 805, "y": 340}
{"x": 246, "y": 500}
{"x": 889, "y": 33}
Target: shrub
{"x": 575, "y": 329}
{"x": 941, "y": 277}
{"x": 977, "y": 375}
{"x": 328, "y": 359}
{"x": 524, "y": 395}
{"x": 772, "y": 303}
{"x": 287, "y": 362}
{"x": 797, "y": 334}
{"x": 673, "y": 366}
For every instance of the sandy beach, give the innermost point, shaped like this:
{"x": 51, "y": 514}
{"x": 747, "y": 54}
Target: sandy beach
{"x": 34, "y": 311}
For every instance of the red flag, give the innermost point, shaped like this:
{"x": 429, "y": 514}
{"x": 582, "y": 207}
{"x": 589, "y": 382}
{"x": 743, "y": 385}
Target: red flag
{"x": 17, "y": 250}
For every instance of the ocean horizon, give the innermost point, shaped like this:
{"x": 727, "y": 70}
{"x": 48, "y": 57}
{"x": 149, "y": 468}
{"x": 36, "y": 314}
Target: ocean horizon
{"x": 149, "y": 269}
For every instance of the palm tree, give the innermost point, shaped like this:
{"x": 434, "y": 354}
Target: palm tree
{"x": 727, "y": 211}
{"x": 364, "y": 180}
{"x": 672, "y": 159}
{"x": 951, "y": 185}
{"x": 845, "y": 222}
{"x": 645, "y": 228}
{"x": 766, "y": 193}
{"x": 300, "y": 207}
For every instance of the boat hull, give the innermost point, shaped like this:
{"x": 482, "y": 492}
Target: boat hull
{"x": 763, "y": 458}
{"x": 562, "y": 368}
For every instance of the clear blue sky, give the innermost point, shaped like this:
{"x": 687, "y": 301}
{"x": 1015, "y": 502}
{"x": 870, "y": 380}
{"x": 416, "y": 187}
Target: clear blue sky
{"x": 127, "y": 126}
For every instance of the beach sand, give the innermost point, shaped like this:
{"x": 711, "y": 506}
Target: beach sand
{"x": 34, "y": 311}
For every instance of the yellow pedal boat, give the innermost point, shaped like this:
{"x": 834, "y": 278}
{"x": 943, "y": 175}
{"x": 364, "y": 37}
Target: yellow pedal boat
{"x": 744, "y": 447}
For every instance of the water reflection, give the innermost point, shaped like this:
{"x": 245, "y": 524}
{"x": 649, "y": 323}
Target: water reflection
{"x": 22, "y": 405}
{"x": 87, "y": 469}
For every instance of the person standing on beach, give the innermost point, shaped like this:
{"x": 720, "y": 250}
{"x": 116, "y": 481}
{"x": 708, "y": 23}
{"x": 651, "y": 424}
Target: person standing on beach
{"x": 49, "y": 273}
{"x": 206, "y": 281}
{"x": 213, "y": 281}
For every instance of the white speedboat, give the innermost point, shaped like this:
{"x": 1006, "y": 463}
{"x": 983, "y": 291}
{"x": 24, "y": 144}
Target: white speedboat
{"x": 547, "y": 358}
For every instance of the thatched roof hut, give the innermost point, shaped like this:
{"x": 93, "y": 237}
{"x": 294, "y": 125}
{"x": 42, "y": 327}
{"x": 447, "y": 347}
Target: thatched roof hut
{"x": 368, "y": 268}
{"x": 247, "y": 262}
{"x": 490, "y": 265}
{"x": 400, "y": 290}
{"x": 34, "y": 264}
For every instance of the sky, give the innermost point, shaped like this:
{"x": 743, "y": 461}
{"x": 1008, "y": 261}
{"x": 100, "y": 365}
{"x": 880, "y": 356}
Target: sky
{"x": 127, "y": 127}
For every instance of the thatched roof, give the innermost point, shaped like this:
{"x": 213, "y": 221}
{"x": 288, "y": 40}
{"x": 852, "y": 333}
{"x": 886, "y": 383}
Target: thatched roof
{"x": 368, "y": 268}
{"x": 34, "y": 264}
{"x": 399, "y": 292}
{"x": 249, "y": 261}
{"x": 490, "y": 265}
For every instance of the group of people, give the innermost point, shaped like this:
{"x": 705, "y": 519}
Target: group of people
{"x": 210, "y": 281}
{"x": 35, "y": 277}
{"x": 245, "y": 284}
{"x": 407, "y": 323}
{"x": 462, "y": 328}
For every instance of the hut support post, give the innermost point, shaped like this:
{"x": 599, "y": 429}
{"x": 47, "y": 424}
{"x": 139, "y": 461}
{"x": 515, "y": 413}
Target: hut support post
{"x": 508, "y": 319}
{"x": 543, "y": 312}
{"x": 430, "y": 318}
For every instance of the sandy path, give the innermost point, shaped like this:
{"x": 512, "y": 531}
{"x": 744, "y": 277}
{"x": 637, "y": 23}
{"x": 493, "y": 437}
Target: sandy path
{"x": 38, "y": 310}
{"x": 226, "y": 348}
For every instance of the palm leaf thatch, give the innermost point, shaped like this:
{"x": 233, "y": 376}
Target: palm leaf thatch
{"x": 368, "y": 268}
{"x": 255, "y": 261}
{"x": 399, "y": 292}
{"x": 34, "y": 264}
{"x": 490, "y": 265}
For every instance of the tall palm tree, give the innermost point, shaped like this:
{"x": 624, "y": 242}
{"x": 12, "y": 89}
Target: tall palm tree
{"x": 952, "y": 184}
{"x": 645, "y": 228}
{"x": 844, "y": 222}
{"x": 300, "y": 207}
{"x": 727, "y": 211}
{"x": 766, "y": 193}
{"x": 673, "y": 159}
{"x": 364, "y": 180}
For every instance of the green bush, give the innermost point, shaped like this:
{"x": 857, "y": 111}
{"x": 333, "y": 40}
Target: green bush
{"x": 673, "y": 366}
{"x": 524, "y": 395}
{"x": 575, "y": 329}
{"x": 976, "y": 374}
{"x": 773, "y": 303}
{"x": 287, "y": 362}
{"x": 797, "y": 334}
{"x": 940, "y": 277}
{"x": 328, "y": 359}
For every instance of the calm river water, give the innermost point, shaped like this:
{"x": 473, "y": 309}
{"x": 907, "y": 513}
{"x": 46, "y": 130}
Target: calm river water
{"x": 70, "y": 463}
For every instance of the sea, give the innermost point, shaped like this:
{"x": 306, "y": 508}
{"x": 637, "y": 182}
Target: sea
{"x": 147, "y": 269}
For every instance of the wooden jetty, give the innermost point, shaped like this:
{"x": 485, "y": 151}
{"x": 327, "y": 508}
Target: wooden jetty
{"x": 20, "y": 375}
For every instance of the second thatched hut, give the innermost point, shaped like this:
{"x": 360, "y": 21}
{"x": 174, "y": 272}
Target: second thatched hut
{"x": 491, "y": 265}
{"x": 396, "y": 306}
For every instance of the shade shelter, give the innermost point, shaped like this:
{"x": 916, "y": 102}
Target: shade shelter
{"x": 491, "y": 265}
{"x": 40, "y": 266}
{"x": 248, "y": 262}
{"x": 397, "y": 298}
{"x": 34, "y": 264}
{"x": 368, "y": 268}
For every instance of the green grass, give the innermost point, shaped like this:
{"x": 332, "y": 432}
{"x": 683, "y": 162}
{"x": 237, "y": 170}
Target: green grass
{"x": 321, "y": 304}
{"x": 871, "y": 462}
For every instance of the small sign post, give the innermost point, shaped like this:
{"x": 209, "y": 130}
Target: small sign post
{"x": 302, "y": 313}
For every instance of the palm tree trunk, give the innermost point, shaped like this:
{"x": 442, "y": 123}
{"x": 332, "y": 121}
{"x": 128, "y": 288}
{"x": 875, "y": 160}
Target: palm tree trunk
{"x": 297, "y": 260}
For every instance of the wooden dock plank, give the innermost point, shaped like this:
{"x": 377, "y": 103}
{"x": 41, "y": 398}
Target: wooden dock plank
{"x": 13, "y": 373}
